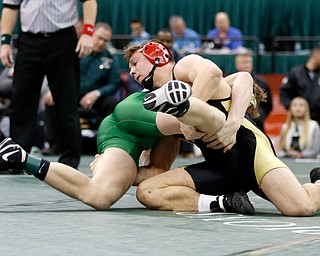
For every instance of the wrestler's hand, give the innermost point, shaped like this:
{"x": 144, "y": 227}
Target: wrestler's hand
{"x": 94, "y": 163}
{"x": 84, "y": 46}
{"x": 225, "y": 138}
{"x": 145, "y": 157}
{"x": 190, "y": 132}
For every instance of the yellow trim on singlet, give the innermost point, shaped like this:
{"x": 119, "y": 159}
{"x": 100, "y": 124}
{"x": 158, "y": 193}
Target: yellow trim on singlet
{"x": 265, "y": 159}
{"x": 226, "y": 104}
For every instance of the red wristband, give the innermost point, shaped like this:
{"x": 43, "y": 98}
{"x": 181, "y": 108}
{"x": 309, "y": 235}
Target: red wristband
{"x": 88, "y": 29}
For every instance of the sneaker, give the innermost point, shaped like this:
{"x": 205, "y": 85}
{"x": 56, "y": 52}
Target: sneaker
{"x": 12, "y": 157}
{"x": 315, "y": 175}
{"x": 168, "y": 98}
{"x": 238, "y": 203}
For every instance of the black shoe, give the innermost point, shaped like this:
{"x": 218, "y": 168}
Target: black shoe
{"x": 12, "y": 157}
{"x": 171, "y": 98}
{"x": 315, "y": 174}
{"x": 238, "y": 203}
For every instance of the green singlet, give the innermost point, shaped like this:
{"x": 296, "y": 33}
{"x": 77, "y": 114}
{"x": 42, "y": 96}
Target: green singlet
{"x": 130, "y": 127}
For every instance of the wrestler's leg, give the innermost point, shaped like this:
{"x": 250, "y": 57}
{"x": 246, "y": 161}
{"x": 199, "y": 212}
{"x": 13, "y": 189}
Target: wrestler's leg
{"x": 189, "y": 110}
{"x": 290, "y": 197}
{"x": 175, "y": 190}
{"x": 172, "y": 190}
{"x": 114, "y": 173}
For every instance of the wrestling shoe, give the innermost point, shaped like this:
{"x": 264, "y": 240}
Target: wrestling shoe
{"x": 171, "y": 98}
{"x": 12, "y": 157}
{"x": 237, "y": 203}
{"x": 315, "y": 175}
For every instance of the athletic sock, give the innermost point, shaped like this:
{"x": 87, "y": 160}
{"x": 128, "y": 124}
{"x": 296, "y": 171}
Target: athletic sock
{"x": 205, "y": 202}
{"x": 37, "y": 166}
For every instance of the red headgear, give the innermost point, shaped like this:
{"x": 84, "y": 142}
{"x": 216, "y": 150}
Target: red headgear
{"x": 153, "y": 51}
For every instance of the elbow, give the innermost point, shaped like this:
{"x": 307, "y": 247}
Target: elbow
{"x": 210, "y": 70}
{"x": 215, "y": 72}
{"x": 246, "y": 76}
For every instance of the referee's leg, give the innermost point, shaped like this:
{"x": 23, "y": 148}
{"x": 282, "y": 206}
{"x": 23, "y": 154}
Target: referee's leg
{"x": 63, "y": 77}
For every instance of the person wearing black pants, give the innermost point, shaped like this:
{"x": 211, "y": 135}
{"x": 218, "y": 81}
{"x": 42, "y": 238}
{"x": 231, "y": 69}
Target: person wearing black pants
{"x": 56, "y": 58}
{"x": 47, "y": 46}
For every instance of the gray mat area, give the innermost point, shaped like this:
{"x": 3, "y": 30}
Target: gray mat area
{"x": 37, "y": 220}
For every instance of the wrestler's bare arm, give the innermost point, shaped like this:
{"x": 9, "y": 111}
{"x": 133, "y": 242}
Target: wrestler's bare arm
{"x": 203, "y": 75}
{"x": 207, "y": 83}
{"x": 242, "y": 88}
{"x": 162, "y": 156}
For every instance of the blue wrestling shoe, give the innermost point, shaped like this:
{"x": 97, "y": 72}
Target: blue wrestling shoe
{"x": 315, "y": 175}
{"x": 12, "y": 157}
{"x": 171, "y": 98}
{"x": 235, "y": 203}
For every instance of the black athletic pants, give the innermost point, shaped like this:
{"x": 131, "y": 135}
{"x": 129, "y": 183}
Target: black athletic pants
{"x": 52, "y": 55}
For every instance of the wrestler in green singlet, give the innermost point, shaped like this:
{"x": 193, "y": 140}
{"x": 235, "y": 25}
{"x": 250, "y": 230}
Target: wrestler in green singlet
{"x": 130, "y": 127}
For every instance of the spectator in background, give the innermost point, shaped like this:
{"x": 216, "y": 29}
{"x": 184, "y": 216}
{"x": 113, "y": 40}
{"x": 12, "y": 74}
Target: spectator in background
{"x": 99, "y": 80}
{"x": 139, "y": 35}
{"x": 186, "y": 39}
{"x": 108, "y": 38}
{"x": 300, "y": 135}
{"x": 108, "y": 34}
{"x": 165, "y": 36}
{"x": 244, "y": 62}
{"x": 304, "y": 80}
{"x": 47, "y": 46}
{"x": 224, "y": 35}
{"x": 99, "y": 74}
{"x": 138, "y": 32}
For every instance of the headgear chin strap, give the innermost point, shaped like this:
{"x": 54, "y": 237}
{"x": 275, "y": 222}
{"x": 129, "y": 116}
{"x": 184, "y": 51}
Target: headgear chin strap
{"x": 147, "y": 82}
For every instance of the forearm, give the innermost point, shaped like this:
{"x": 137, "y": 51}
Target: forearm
{"x": 8, "y": 20}
{"x": 242, "y": 90}
{"x": 162, "y": 156}
{"x": 89, "y": 11}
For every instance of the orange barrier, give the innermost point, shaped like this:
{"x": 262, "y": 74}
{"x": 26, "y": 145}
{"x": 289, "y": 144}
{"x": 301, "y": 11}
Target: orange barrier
{"x": 278, "y": 114}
